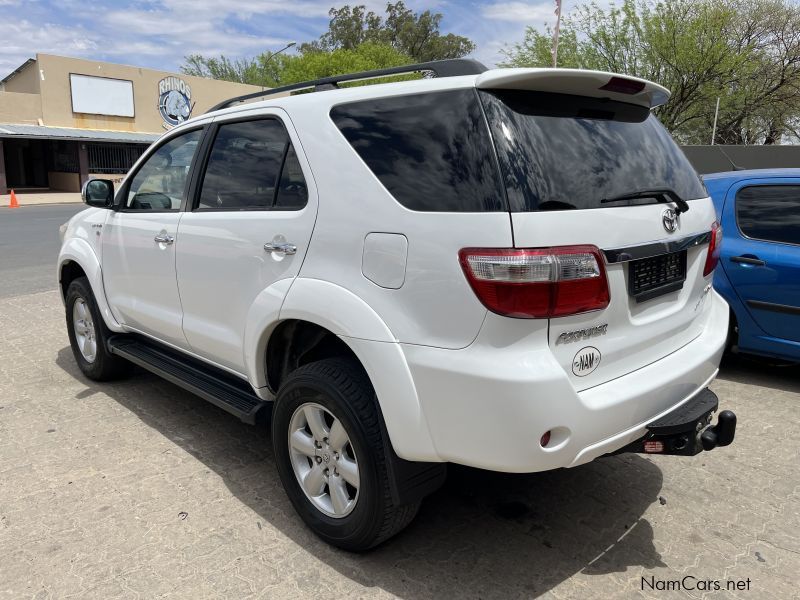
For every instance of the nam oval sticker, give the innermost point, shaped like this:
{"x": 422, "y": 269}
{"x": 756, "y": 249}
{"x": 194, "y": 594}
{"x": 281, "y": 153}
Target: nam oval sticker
{"x": 585, "y": 361}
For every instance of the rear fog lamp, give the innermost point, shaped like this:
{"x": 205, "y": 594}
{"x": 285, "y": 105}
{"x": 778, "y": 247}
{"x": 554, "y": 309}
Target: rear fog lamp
{"x": 545, "y": 439}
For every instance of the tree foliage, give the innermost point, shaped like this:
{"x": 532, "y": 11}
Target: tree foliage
{"x": 273, "y": 70}
{"x": 364, "y": 57}
{"x": 414, "y": 34}
{"x": 745, "y": 52}
{"x": 356, "y": 40}
{"x": 264, "y": 70}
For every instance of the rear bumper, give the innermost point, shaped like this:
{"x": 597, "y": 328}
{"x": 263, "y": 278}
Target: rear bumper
{"x": 488, "y": 405}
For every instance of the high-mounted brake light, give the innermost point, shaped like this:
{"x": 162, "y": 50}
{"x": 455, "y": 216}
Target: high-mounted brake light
{"x": 621, "y": 85}
{"x": 537, "y": 283}
{"x": 714, "y": 246}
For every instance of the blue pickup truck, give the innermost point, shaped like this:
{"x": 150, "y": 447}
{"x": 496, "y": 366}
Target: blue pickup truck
{"x": 759, "y": 268}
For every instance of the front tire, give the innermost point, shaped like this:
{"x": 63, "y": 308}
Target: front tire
{"x": 330, "y": 456}
{"x": 88, "y": 334}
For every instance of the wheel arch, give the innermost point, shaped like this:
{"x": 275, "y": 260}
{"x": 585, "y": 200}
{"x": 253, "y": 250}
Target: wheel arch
{"x": 333, "y": 321}
{"x": 324, "y": 304}
{"x": 78, "y": 259}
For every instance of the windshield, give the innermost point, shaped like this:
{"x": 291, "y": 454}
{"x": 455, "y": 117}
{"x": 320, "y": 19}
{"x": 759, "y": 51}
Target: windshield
{"x": 563, "y": 152}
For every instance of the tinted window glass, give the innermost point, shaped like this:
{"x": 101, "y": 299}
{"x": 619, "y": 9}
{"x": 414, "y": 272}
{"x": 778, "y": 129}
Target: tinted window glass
{"x": 244, "y": 166}
{"x": 770, "y": 212}
{"x": 161, "y": 181}
{"x": 292, "y": 191}
{"x": 431, "y": 151}
{"x": 561, "y": 152}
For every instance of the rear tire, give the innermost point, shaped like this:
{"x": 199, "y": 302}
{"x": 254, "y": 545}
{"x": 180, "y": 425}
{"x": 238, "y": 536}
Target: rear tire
{"x": 336, "y": 390}
{"x": 88, "y": 334}
{"x": 732, "y": 341}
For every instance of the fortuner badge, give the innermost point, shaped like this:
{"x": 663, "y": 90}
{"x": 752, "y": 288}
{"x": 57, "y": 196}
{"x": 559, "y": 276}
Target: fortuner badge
{"x": 582, "y": 334}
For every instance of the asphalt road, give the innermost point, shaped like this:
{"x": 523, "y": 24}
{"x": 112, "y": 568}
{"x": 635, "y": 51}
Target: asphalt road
{"x": 29, "y": 247}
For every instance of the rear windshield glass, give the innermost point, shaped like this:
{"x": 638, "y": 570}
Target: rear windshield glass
{"x": 431, "y": 151}
{"x": 562, "y": 152}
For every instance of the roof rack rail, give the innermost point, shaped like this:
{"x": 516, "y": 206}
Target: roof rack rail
{"x": 440, "y": 68}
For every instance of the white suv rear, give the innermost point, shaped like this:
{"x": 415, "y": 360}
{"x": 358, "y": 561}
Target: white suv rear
{"x": 508, "y": 269}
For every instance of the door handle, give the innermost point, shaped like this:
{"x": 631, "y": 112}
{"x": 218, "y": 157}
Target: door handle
{"x": 285, "y": 249}
{"x": 749, "y": 260}
{"x": 163, "y": 238}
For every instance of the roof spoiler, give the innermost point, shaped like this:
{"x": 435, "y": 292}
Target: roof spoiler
{"x": 579, "y": 82}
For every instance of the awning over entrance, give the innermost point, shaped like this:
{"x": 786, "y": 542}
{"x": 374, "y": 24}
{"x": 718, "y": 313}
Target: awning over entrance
{"x": 63, "y": 158}
{"x": 40, "y": 132}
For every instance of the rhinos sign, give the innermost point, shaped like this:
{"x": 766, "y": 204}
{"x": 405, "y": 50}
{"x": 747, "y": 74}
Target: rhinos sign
{"x": 174, "y": 100}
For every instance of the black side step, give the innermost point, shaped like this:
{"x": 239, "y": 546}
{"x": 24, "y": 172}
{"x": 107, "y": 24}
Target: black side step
{"x": 218, "y": 387}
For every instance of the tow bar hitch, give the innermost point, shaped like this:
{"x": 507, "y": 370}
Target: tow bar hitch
{"x": 687, "y": 430}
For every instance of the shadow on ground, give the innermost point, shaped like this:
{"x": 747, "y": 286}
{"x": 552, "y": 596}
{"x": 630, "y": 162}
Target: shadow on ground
{"x": 482, "y": 535}
{"x": 764, "y": 372}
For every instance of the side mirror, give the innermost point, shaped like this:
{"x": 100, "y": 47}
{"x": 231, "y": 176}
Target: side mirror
{"x": 98, "y": 193}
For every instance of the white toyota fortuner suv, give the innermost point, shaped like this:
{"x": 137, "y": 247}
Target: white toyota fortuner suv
{"x": 508, "y": 269}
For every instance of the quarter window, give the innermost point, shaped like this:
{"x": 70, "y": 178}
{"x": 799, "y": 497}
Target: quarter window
{"x": 253, "y": 166}
{"x": 160, "y": 183}
{"x": 770, "y": 212}
{"x": 431, "y": 151}
{"x": 292, "y": 192}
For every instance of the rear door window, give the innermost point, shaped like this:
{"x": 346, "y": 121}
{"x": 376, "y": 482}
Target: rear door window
{"x": 431, "y": 151}
{"x": 770, "y": 213}
{"x": 252, "y": 166}
{"x": 564, "y": 152}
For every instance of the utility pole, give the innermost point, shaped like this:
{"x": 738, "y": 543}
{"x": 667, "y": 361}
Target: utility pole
{"x": 716, "y": 115}
{"x": 274, "y": 54}
{"x": 555, "y": 33}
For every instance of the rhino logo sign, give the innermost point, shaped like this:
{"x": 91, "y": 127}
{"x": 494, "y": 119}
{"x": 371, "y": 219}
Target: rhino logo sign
{"x": 174, "y": 100}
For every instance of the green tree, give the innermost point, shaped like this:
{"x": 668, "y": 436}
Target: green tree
{"x": 745, "y": 52}
{"x": 274, "y": 70}
{"x": 356, "y": 40}
{"x": 364, "y": 57}
{"x": 414, "y": 34}
{"x": 264, "y": 69}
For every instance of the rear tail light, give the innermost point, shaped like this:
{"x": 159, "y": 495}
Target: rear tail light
{"x": 537, "y": 283}
{"x": 714, "y": 247}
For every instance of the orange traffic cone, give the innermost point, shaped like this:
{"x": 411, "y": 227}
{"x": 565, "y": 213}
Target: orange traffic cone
{"x": 13, "y": 203}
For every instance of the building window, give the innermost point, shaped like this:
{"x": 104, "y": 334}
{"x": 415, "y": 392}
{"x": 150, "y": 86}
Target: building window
{"x": 113, "y": 158}
{"x": 63, "y": 157}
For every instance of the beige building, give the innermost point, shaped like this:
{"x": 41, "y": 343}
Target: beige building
{"x": 63, "y": 119}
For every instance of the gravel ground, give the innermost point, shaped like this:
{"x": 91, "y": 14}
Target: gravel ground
{"x": 139, "y": 489}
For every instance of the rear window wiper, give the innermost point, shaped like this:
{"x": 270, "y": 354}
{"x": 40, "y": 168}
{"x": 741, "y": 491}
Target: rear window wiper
{"x": 665, "y": 195}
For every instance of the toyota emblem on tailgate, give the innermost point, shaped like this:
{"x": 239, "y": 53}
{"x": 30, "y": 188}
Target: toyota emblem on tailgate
{"x": 670, "y": 220}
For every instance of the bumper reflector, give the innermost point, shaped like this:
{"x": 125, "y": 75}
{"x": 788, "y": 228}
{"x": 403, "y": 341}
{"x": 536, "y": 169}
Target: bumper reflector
{"x": 654, "y": 447}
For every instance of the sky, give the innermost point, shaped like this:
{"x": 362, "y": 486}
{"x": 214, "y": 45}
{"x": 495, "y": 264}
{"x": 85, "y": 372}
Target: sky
{"x": 159, "y": 33}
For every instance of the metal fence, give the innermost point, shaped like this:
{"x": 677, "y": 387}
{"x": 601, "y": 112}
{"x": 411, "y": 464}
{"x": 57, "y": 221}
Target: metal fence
{"x": 714, "y": 159}
{"x": 113, "y": 158}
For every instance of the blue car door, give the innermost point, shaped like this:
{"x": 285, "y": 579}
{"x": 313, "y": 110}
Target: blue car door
{"x": 761, "y": 252}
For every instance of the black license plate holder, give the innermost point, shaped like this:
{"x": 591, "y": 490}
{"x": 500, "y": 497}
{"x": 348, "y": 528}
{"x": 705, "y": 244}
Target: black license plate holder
{"x": 655, "y": 276}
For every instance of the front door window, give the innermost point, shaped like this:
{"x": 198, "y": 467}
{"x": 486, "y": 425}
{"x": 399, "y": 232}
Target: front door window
{"x": 160, "y": 183}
